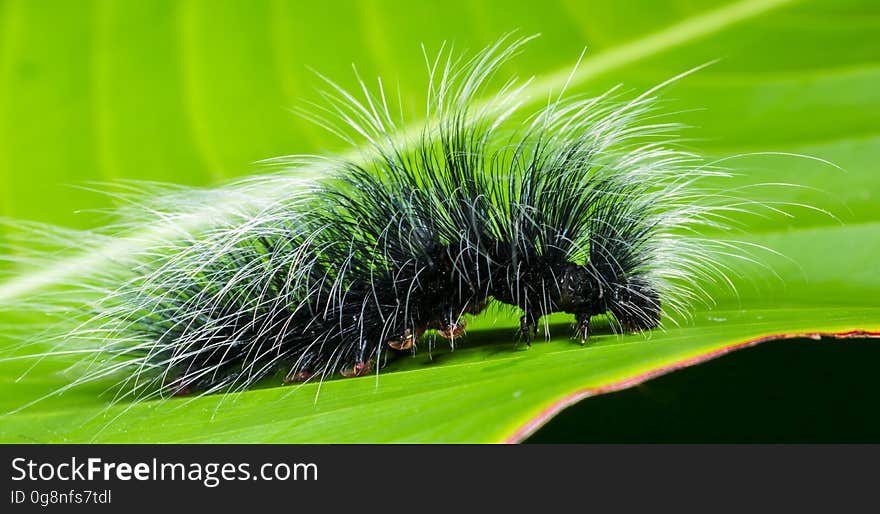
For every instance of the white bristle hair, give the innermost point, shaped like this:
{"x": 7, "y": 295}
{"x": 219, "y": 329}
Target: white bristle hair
{"x": 623, "y": 140}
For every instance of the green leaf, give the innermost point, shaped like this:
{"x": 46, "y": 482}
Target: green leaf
{"x": 192, "y": 92}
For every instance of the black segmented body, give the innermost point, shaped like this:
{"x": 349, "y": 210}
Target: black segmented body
{"x": 572, "y": 212}
{"x": 387, "y": 262}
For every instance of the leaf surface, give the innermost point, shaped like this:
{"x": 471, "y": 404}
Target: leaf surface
{"x": 193, "y": 92}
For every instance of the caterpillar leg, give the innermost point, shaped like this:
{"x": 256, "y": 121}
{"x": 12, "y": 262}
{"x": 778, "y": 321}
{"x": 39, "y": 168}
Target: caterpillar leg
{"x": 178, "y": 389}
{"x": 583, "y": 328}
{"x": 297, "y": 377}
{"x": 452, "y": 330}
{"x": 358, "y": 370}
{"x": 526, "y": 325}
{"x": 404, "y": 342}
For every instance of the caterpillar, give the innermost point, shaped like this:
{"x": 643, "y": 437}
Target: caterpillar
{"x": 586, "y": 206}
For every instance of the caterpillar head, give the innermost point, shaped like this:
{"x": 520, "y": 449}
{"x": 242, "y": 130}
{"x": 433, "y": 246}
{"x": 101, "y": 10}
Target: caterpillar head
{"x": 635, "y": 304}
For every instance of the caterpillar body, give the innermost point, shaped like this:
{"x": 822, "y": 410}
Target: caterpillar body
{"x": 586, "y": 206}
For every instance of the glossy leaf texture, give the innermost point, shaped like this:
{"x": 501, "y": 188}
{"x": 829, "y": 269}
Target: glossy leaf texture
{"x": 195, "y": 92}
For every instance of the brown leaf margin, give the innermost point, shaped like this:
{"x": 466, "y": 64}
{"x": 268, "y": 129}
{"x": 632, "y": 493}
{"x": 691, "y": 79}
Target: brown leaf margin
{"x": 535, "y": 422}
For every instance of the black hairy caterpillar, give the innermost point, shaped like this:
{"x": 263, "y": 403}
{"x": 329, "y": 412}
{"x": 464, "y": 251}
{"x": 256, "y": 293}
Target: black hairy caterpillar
{"x": 585, "y": 207}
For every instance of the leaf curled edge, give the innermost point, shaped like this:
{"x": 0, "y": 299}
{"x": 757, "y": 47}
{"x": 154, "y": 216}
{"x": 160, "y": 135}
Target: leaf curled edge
{"x": 547, "y": 412}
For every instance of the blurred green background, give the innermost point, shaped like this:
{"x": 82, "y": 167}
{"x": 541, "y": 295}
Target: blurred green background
{"x": 194, "y": 92}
